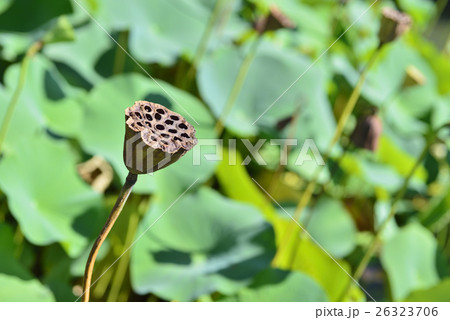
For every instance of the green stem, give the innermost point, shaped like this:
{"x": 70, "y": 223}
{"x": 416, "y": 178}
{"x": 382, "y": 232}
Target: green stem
{"x": 35, "y": 47}
{"x": 351, "y": 103}
{"x": 120, "y": 55}
{"x": 103, "y": 283}
{"x": 375, "y": 241}
{"x": 237, "y": 86}
{"x": 291, "y": 135}
{"x": 310, "y": 187}
{"x": 117, "y": 209}
{"x": 203, "y": 45}
{"x": 122, "y": 267}
{"x": 18, "y": 240}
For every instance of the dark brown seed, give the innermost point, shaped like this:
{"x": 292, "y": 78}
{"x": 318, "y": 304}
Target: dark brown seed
{"x": 367, "y": 132}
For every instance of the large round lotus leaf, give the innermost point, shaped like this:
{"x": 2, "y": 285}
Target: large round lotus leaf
{"x": 409, "y": 260}
{"x": 13, "y": 289}
{"x": 274, "y": 285}
{"x": 204, "y": 243}
{"x": 45, "y": 102}
{"x": 46, "y": 208}
{"x": 23, "y": 15}
{"x": 162, "y": 30}
{"x": 271, "y": 72}
{"x": 331, "y": 225}
{"x": 103, "y": 124}
{"x": 45, "y": 193}
{"x": 82, "y": 54}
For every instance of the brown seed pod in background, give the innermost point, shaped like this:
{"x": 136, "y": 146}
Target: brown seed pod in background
{"x": 155, "y": 137}
{"x": 274, "y": 21}
{"x": 413, "y": 77}
{"x": 97, "y": 172}
{"x": 367, "y": 132}
{"x": 393, "y": 24}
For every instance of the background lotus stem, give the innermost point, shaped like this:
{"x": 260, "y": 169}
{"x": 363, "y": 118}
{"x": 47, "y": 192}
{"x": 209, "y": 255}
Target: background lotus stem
{"x": 203, "y": 45}
{"x": 120, "y": 55}
{"x": 237, "y": 86}
{"x": 309, "y": 190}
{"x": 117, "y": 209}
{"x": 376, "y": 239}
{"x": 35, "y": 47}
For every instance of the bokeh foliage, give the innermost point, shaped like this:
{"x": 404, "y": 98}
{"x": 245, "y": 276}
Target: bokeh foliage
{"x": 217, "y": 241}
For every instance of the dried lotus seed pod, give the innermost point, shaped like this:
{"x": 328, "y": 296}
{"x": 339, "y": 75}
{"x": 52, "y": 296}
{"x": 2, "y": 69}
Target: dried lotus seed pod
{"x": 413, "y": 77}
{"x": 367, "y": 132}
{"x": 393, "y": 24}
{"x": 155, "y": 137}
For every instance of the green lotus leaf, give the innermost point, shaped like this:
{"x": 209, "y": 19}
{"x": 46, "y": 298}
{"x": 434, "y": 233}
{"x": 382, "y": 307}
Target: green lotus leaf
{"x": 13, "y": 289}
{"x": 82, "y": 54}
{"x": 45, "y": 193}
{"x": 161, "y": 31}
{"x": 271, "y": 72}
{"x": 45, "y": 102}
{"x": 273, "y": 285}
{"x": 17, "y": 17}
{"x": 331, "y": 225}
{"x": 438, "y": 293}
{"x": 205, "y": 241}
{"x": 46, "y": 208}
{"x": 409, "y": 260}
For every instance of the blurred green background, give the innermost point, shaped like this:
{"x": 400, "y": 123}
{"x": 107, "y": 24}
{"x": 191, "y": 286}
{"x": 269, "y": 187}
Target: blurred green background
{"x": 64, "y": 85}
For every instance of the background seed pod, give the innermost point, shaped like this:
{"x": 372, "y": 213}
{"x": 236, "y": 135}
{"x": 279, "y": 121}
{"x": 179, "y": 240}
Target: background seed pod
{"x": 155, "y": 137}
{"x": 393, "y": 24}
{"x": 367, "y": 132}
{"x": 274, "y": 21}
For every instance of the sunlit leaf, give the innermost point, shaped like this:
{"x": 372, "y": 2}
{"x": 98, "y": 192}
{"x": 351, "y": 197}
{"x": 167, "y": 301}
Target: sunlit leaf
{"x": 331, "y": 274}
{"x": 274, "y": 285}
{"x": 437, "y": 293}
{"x": 330, "y": 224}
{"x": 409, "y": 260}
{"x": 13, "y": 289}
{"x": 82, "y": 54}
